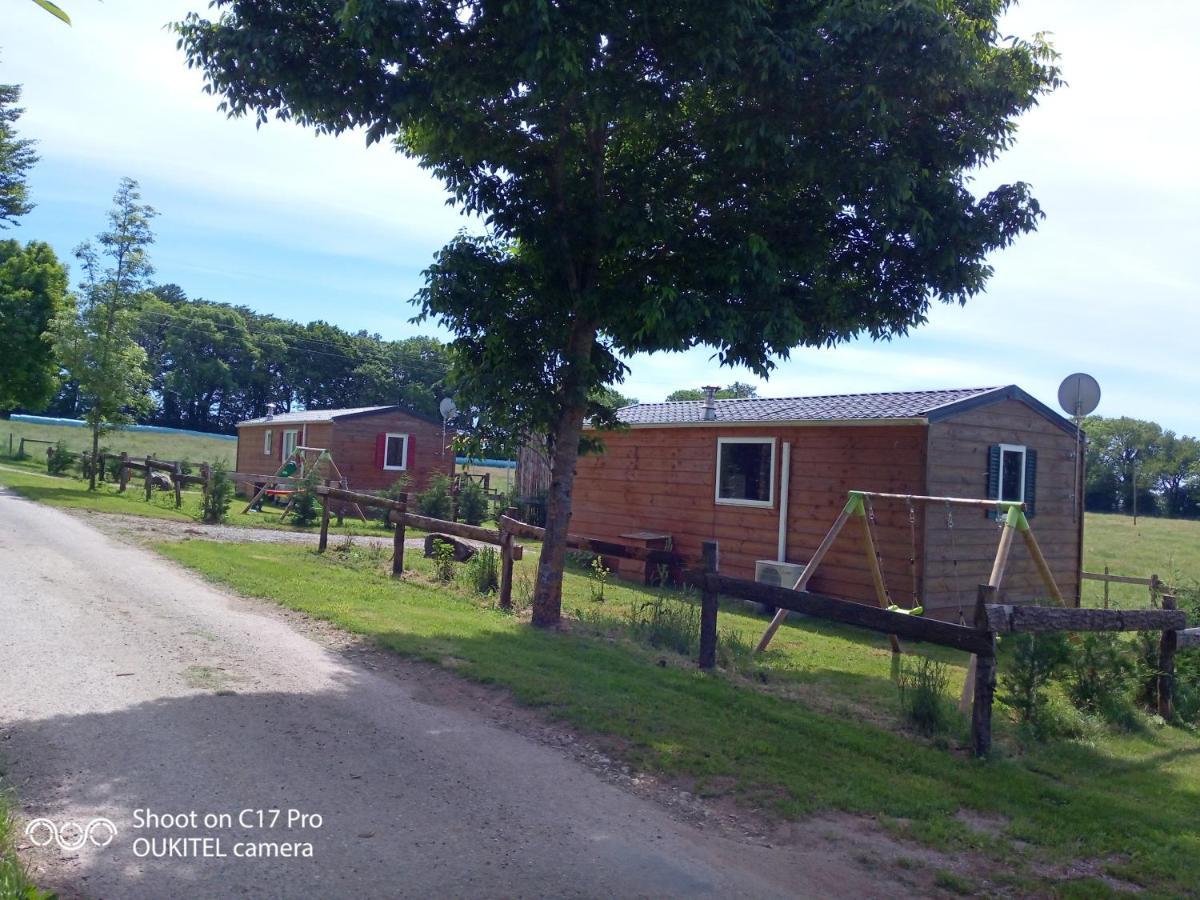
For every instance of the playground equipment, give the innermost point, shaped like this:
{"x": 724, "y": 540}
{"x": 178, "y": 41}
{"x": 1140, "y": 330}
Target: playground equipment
{"x": 1011, "y": 515}
{"x": 294, "y": 469}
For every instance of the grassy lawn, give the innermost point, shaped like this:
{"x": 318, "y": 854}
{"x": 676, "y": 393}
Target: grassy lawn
{"x": 72, "y": 493}
{"x": 135, "y": 443}
{"x": 812, "y": 726}
{"x": 1168, "y": 548}
{"x": 14, "y": 882}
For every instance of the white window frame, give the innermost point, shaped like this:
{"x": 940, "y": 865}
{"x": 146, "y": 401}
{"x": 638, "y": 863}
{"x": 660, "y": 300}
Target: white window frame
{"x": 292, "y": 436}
{"x": 1011, "y": 448}
{"x": 268, "y": 442}
{"x": 730, "y": 501}
{"x": 403, "y": 467}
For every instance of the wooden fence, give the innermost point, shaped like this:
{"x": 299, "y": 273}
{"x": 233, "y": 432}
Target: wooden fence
{"x": 979, "y": 638}
{"x": 148, "y": 465}
{"x": 1154, "y": 583}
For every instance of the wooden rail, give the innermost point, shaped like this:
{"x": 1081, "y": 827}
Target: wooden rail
{"x": 604, "y": 548}
{"x": 1008, "y": 619}
{"x": 1154, "y": 583}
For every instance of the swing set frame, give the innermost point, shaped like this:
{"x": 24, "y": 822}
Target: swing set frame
{"x": 299, "y": 458}
{"x": 858, "y": 506}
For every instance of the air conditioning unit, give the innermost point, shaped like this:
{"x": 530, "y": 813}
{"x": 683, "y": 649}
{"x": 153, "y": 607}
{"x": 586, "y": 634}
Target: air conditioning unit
{"x": 777, "y": 574}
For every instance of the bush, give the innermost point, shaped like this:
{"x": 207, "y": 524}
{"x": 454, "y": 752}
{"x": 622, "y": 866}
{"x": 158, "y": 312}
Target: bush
{"x": 922, "y": 687}
{"x": 443, "y": 561}
{"x": 1101, "y": 676}
{"x": 305, "y": 506}
{"x": 472, "y": 503}
{"x": 1035, "y": 659}
{"x": 113, "y": 466}
{"x": 185, "y": 467}
{"x": 219, "y": 495}
{"x": 59, "y": 459}
{"x": 483, "y": 570}
{"x": 435, "y": 501}
{"x": 598, "y": 575}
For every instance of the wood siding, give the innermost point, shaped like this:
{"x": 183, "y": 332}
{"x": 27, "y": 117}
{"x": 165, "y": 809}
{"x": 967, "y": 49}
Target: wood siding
{"x": 663, "y": 479}
{"x": 352, "y": 443}
{"x": 958, "y": 466}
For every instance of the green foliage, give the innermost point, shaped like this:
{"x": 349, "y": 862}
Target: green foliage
{"x": 219, "y": 496}
{"x": 598, "y": 575}
{"x": 436, "y": 501}
{"x": 59, "y": 460}
{"x": 922, "y": 687}
{"x": 1034, "y": 660}
{"x": 472, "y": 502}
{"x": 739, "y": 390}
{"x": 55, "y": 10}
{"x": 483, "y": 570}
{"x": 443, "y": 561}
{"x": 666, "y": 624}
{"x": 1166, "y": 466}
{"x": 16, "y": 158}
{"x": 33, "y": 293}
{"x": 306, "y": 505}
{"x": 1100, "y": 677}
{"x": 743, "y": 203}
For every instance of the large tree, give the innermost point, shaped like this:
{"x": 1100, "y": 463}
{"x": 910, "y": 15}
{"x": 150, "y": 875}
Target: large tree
{"x": 16, "y": 158}
{"x": 95, "y": 344}
{"x": 33, "y": 293}
{"x": 744, "y": 174}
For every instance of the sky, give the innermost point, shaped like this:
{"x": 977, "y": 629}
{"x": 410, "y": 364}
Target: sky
{"x": 309, "y": 227}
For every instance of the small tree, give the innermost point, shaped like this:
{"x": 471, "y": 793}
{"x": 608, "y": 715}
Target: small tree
{"x": 16, "y": 158}
{"x": 305, "y": 505}
{"x": 436, "y": 501}
{"x": 472, "y": 503}
{"x": 94, "y": 344}
{"x": 219, "y": 495}
{"x": 33, "y": 293}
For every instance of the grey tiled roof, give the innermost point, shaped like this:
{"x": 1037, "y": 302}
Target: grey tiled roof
{"x": 308, "y": 416}
{"x": 890, "y": 405}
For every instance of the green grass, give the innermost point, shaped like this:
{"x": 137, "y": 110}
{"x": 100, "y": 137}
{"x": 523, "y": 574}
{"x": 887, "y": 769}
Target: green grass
{"x": 813, "y": 726}
{"x": 1168, "y": 548}
{"x": 135, "y": 443}
{"x": 14, "y": 881}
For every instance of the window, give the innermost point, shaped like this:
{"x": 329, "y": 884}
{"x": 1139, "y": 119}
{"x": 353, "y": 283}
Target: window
{"x": 746, "y": 471}
{"x": 267, "y": 442}
{"x": 1012, "y": 473}
{"x": 290, "y": 439}
{"x": 395, "y": 454}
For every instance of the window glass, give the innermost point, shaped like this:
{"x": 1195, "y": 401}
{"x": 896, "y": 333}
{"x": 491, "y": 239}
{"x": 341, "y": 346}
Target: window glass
{"x": 267, "y": 442}
{"x": 1012, "y": 474}
{"x": 289, "y": 443}
{"x": 394, "y": 457}
{"x": 744, "y": 471}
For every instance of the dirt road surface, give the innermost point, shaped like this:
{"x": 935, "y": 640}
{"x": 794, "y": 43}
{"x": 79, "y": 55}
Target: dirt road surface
{"x": 129, "y": 685}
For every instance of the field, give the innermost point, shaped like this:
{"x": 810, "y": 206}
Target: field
{"x": 1168, "y": 548}
{"x": 135, "y": 443}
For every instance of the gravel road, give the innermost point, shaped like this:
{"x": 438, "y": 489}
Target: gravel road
{"x": 129, "y": 685}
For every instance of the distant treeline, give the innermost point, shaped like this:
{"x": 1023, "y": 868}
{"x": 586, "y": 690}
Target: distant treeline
{"x": 1131, "y": 455}
{"x": 213, "y": 365}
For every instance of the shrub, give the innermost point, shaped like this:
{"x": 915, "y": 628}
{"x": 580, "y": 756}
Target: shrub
{"x": 443, "y": 561}
{"x": 305, "y": 506}
{"x": 598, "y": 575}
{"x": 435, "y": 501}
{"x": 922, "y": 687}
{"x": 1035, "y": 659}
{"x": 472, "y": 503}
{"x": 1100, "y": 678}
{"x": 219, "y": 495}
{"x": 185, "y": 467}
{"x": 113, "y": 464}
{"x": 59, "y": 459}
{"x": 483, "y": 570}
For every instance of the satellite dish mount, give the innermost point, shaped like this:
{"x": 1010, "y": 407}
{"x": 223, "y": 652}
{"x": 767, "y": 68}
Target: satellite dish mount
{"x": 1078, "y": 395}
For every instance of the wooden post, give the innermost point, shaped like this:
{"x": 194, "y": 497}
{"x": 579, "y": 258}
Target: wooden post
{"x": 341, "y": 508}
{"x": 1156, "y": 587}
{"x": 149, "y": 486}
{"x": 21, "y": 450}
{"x": 1106, "y": 587}
{"x": 985, "y": 681}
{"x": 1040, "y": 563}
{"x": 324, "y": 539}
{"x": 100, "y": 460}
{"x": 206, "y": 475}
{"x": 177, "y": 477}
{"x": 123, "y": 478}
{"x": 506, "y": 559}
{"x": 398, "y": 541}
{"x": 1166, "y": 667}
{"x": 708, "y": 607}
{"x": 881, "y": 594}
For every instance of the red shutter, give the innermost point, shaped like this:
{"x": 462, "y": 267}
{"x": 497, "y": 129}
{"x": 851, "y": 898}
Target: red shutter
{"x": 408, "y": 452}
{"x": 380, "y": 450}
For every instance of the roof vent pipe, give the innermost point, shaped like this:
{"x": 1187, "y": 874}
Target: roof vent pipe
{"x": 710, "y": 406}
{"x": 270, "y": 410}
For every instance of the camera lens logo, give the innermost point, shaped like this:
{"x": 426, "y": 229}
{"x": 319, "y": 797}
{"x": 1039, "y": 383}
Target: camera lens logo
{"x": 71, "y": 835}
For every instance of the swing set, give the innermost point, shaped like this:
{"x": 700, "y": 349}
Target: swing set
{"x": 294, "y": 468}
{"x": 1010, "y": 517}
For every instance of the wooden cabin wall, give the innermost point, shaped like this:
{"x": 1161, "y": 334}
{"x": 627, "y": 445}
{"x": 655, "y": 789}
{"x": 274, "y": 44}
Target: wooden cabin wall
{"x": 353, "y": 447}
{"x": 664, "y": 479}
{"x": 958, "y": 466}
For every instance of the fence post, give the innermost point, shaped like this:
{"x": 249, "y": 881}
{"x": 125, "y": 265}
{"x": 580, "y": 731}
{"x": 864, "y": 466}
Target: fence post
{"x": 324, "y": 540}
{"x": 506, "y": 560}
{"x": 177, "y": 477}
{"x": 398, "y": 539}
{"x": 1106, "y": 587}
{"x": 1166, "y": 667}
{"x": 708, "y": 607}
{"x": 123, "y": 478}
{"x": 985, "y": 681}
{"x": 206, "y": 475}
{"x": 21, "y": 451}
{"x": 100, "y": 463}
{"x": 10, "y": 437}
{"x": 1156, "y": 587}
{"x": 149, "y": 486}
{"x": 341, "y": 508}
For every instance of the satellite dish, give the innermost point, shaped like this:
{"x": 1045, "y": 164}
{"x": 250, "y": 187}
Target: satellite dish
{"x": 1079, "y": 395}
{"x": 447, "y": 408}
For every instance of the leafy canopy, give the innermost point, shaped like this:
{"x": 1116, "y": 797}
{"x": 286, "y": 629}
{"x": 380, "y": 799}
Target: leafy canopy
{"x": 33, "y": 293}
{"x": 16, "y": 158}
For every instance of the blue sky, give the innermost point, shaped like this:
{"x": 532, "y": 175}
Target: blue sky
{"x": 307, "y": 227}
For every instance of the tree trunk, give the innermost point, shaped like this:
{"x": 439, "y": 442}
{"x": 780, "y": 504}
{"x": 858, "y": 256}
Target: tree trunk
{"x": 95, "y": 457}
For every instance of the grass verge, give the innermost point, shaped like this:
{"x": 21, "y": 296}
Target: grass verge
{"x": 812, "y": 726}
{"x": 14, "y": 881}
